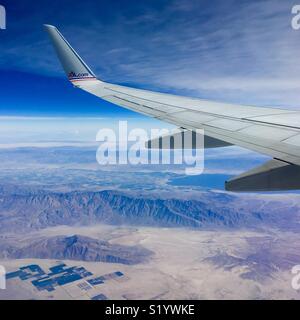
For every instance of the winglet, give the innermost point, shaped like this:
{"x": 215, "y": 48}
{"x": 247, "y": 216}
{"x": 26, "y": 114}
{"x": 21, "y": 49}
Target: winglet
{"x": 75, "y": 68}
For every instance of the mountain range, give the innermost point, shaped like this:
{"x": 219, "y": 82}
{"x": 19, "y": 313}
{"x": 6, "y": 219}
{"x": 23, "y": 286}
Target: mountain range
{"x": 76, "y": 247}
{"x": 21, "y": 211}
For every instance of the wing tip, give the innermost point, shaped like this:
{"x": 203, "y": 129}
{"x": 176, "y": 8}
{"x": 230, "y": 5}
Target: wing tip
{"x": 49, "y": 26}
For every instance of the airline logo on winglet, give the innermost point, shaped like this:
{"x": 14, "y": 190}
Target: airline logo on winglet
{"x": 80, "y": 76}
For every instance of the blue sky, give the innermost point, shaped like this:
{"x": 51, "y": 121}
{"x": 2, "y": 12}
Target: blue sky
{"x": 237, "y": 51}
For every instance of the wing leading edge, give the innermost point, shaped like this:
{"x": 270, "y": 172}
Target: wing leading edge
{"x": 273, "y": 132}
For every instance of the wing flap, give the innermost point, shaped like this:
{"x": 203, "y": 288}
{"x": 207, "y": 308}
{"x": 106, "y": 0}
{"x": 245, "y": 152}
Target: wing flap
{"x": 275, "y": 175}
{"x": 177, "y": 140}
{"x": 289, "y": 119}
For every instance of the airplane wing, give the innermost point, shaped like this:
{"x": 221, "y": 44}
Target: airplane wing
{"x": 273, "y": 132}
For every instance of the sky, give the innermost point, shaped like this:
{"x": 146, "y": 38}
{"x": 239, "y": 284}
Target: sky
{"x": 235, "y": 51}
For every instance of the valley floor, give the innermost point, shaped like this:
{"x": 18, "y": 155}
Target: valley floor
{"x": 186, "y": 264}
